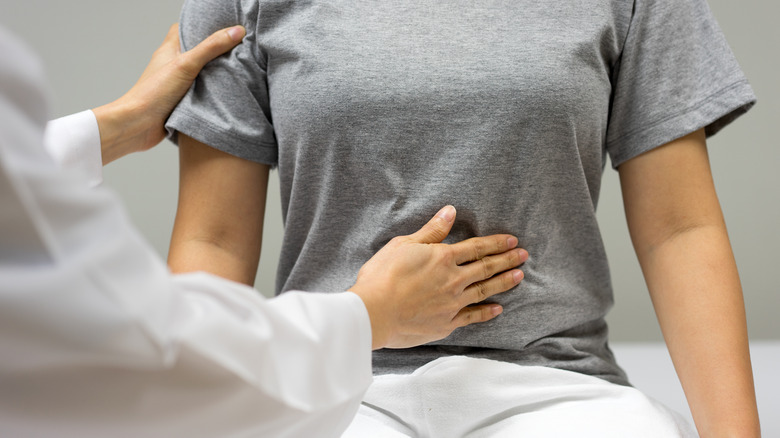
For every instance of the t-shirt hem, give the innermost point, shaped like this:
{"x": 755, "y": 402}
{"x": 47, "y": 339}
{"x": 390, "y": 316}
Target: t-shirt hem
{"x": 712, "y": 113}
{"x": 407, "y": 361}
{"x": 218, "y": 138}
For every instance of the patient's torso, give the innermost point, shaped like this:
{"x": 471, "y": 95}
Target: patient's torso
{"x": 385, "y": 111}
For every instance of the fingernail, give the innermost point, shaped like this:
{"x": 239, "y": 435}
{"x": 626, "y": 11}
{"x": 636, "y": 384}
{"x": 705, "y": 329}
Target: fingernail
{"x": 447, "y": 213}
{"x": 523, "y": 255}
{"x": 496, "y": 310}
{"x": 511, "y": 242}
{"x": 236, "y": 33}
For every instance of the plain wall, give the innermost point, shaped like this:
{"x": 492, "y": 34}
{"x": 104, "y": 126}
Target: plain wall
{"x": 94, "y": 50}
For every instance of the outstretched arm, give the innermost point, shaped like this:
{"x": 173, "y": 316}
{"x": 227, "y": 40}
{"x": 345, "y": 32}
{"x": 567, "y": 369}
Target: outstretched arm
{"x": 680, "y": 238}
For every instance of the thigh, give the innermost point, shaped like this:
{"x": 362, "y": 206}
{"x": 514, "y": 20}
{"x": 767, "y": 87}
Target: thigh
{"x": 584, "y": 410}
{"x": 464, "y": 397}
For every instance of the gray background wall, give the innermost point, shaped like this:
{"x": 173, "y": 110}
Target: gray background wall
{"x": 94, "y": 51}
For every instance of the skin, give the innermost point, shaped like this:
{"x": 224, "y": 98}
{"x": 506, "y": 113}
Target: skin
{"x": 415, "y": 289}
{"x": 680, "y": 238}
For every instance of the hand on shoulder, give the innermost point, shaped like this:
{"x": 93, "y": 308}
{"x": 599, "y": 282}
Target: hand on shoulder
{"x": 135, "y": 122}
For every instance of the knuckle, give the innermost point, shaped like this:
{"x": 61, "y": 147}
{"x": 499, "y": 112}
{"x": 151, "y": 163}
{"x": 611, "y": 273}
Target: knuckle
{"x": 478, "y": 249}
{"x": 508, "y": 280}
{"x": 437, "y": 231}
{"x": 448, "y": 255}
{"x": 504, "y": 283}
{"x": 486, "y": 269}
{"x": 517, "y": 259}
{"x": 186, "y": 66}
{"x": 499, "y": 244}
{"x": 469, "y": 251}
{"x": 477, "y": 315}
{"x": 454, "y": 308}
{"x": 481, "y": 291}
{"x": 397, "y": 241}
{"x": 511, "y": 259}
{"x": 486, "y": 314}
{"x": 466, "y": 318}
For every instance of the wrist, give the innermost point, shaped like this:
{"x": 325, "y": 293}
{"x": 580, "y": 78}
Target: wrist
{"x": 380, "y": 326}
{"x": 119, "y": 124}
{"x": 744, "y": 430}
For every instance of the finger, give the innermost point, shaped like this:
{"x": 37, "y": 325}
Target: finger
{"x": 437, "y": 228}
{"x": 482, "y": 290}
{"x": 216, "y": 44}
{"x": 476, "y": 314}
{"x": 479, "y": 247}
{"x": 489, "y": 266}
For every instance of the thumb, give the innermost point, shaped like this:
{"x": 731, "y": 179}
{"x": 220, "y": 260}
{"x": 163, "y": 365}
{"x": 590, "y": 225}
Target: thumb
{"x": 437, "y": 228}
{"x": 216, "y": 44}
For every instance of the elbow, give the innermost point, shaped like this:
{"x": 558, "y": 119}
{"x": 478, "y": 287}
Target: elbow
{"x": 668, "y": 233}
{"x": 214, "y": 255}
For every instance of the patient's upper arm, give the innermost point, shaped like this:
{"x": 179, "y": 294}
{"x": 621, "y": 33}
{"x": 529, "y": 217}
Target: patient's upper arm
{"x": 219, "y": 220}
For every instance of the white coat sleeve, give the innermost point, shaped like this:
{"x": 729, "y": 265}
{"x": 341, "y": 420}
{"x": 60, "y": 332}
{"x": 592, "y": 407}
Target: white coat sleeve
{"x": 74, "y": 142}
{"x": 97, "y": 338}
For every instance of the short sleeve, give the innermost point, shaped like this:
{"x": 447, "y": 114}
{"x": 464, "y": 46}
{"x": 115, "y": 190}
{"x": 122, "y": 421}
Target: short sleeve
{"x": 676, "y": 74}
{"x": 228, "y": 105}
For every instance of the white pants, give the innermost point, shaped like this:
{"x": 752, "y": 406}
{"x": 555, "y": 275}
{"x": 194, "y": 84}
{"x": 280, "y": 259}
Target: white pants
{"x": 459, "y": 396}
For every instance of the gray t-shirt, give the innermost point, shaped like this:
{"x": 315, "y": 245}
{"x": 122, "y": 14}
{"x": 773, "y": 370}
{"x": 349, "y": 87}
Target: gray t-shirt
{"x": 378, "y": 113}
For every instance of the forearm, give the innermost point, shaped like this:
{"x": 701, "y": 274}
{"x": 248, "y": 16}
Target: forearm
{"x": 695, "y": 288}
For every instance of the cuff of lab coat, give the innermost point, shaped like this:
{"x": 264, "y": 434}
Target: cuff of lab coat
{"x": 337, "y": 330}
{"x": 74, "y": 143}
{"x": 343, "y": 321}
{"x": 362, "y": 320}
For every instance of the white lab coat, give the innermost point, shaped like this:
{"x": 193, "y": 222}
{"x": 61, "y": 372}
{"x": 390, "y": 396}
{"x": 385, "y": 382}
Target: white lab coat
{"x": 97, "y": 338}
{"x": 74, "y": 143}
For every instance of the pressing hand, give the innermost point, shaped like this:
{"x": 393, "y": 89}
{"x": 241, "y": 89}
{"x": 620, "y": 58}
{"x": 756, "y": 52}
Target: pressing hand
{"x": 417, "y": 289}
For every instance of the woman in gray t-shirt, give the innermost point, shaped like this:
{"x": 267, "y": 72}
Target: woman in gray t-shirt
{"x": 377, "y": 113}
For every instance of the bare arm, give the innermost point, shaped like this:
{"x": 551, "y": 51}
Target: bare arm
{"x": 219, "y": 221}
{"x": 680, "y": 238}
